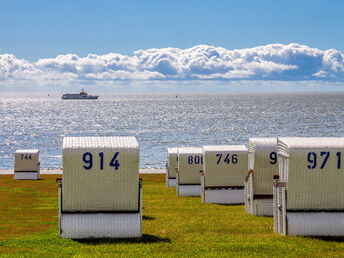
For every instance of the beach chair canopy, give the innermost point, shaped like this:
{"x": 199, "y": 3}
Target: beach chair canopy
{"x": 314, "y": 172}
{"x": 100, "y": 174}
{"x": 172, "y": 162}
{"x": 262, "y": 159}
{"x": 225, "y": 165}
{"x": 190, "y": 163}
{"x": 26, "y": 160}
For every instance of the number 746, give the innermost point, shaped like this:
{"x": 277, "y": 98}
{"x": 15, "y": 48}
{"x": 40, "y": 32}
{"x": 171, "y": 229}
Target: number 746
{"x": 227, "y": 159}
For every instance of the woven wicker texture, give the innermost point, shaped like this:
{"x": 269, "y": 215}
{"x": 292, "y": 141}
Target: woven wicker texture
{"x": 313, "y": 185}
{"x": 225, "y": 165}
{"x": 26, "y": 175}
{"x": 26, "y": 160}
{"x": 188, "y": 190}
{"x": 275, "y": 209}
{"x": 97, "y": 189}
{"x": 172, "y": 162}
{"x": 249, "y": 192}
{"x": 279, "y": 210}
{"x": 315, "y": 223}
{"x": 189, "y": 165}
{"x": 171, "y": 182}
{"x": 101, "y": 225}
{"x": 263, "y": 162}
{"x": 247, "y": 197}
{"x": 224, "y": 196}
{"x": 262, "y": 207}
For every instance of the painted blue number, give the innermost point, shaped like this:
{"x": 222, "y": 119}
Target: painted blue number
{"x": 234, "y": 158}
{"x": 220, "y": 156}
{"x": 101, "y": 156}
{"x": 339, "y": 159}
{"x": 323, "y": 153}
{"x": 273, "y": 158}
{"x": 195, "y": 160}
{"x": 26, "y": 156}
{"x": 227, "y": 160}
{"x": 114, "y": 162}
{"x": 312, "y": 159}
{"x": 190, "y": 160}
{"x": 88, "y": 159}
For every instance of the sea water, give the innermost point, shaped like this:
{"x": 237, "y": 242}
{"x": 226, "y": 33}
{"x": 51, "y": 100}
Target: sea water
{"x": 40, "y": 121}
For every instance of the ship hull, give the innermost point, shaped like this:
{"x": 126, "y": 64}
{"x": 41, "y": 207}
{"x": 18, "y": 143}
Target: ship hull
{"x": 79, "y": 98}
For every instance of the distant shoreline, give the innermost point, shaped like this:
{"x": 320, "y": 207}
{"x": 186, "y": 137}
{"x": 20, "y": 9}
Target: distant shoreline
{"x": 59, "y": 171}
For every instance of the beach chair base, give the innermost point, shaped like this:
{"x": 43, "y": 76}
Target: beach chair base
{"x": 35, "y": 175}
{"x": 258, "y": 207}
{"x": 171, "y": 182}
{"x": 315, "y": 223}
{"x": 262, "y": 207}
{"x": 188, "y": 190}
{"x": 99, "y": 225}
{"x": 301, "y": 223}
{"x": 223, "y": 196}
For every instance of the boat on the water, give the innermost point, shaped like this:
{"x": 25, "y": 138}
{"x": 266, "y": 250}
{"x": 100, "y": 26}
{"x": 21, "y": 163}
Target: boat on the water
{"x": 81, "y": 95}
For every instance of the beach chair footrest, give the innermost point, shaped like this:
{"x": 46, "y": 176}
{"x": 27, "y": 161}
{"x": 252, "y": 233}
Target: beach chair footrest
{"x": 78, "y": 226}
{"x": 223, "y": 196}
{"x": 262, "y": 207}
{"x": 189, "y": 190}
{"x": 171, "y": 182}
{"x": 27, "y": 175}
{"x": 315, "y": 223}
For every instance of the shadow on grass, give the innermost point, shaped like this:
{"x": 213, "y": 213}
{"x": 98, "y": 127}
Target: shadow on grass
{"x": 338, "y": 239}
{"x": 145, "y": 239}
{"x": 147, "y": 217}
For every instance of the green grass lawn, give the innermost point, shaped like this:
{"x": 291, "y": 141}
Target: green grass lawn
{"x": 172, "y": 226}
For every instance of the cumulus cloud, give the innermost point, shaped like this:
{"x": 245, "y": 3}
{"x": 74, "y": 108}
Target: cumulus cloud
{"x": 293, "y": 62}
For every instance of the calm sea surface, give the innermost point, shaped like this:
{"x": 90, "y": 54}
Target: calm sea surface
{"x": 162, "y": 120}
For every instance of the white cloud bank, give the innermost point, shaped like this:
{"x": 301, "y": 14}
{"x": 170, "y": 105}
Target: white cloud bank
{"x": 275, "y": 62}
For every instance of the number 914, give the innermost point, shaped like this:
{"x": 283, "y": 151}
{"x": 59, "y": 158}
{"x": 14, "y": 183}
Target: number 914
{"x": 87, "y": 158}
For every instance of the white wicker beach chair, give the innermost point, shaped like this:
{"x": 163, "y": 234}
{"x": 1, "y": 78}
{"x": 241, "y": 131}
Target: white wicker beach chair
{"x": 309, "y": 194}
{"x": 100, "y": 195}
{"x": 223, "y": 174}
{"x": 262, "y": 164}
{"x": 26, "y": 164}
{"x": 171, "y": 165}
{"x": 190, "y": 162}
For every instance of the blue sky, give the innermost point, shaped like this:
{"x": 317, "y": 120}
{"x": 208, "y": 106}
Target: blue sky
{"x": 33, "y": 30}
